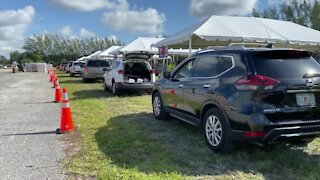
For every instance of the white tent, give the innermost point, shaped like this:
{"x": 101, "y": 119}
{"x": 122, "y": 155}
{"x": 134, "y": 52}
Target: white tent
{"x": 94, "y": 55}
{"x": 144, "y": 44}
{"x": 140, "y": 44}
{"x": 221, "y": 30}
{"x": 83, "y": 58}
{"x": 107, "y": 53}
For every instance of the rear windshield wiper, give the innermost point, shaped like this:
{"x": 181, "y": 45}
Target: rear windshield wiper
{"x": 311, "y": 75}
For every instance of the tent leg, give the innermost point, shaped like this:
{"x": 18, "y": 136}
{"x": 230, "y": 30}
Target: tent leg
{"x": 190, "y": 45}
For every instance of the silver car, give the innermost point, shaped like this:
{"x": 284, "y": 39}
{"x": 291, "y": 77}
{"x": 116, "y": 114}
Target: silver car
{"x": 94, "y": 69}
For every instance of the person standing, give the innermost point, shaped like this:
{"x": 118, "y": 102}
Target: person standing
{"x": 14, "y": 66}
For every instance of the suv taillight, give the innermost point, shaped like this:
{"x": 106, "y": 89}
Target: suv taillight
{"x": 254, "y": 82}
{"x": 120, "y": 71}
{"x": 86, "y": 69}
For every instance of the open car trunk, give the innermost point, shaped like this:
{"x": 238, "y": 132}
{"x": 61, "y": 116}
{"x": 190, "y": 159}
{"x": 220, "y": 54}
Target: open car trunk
{"x": 137, "y": 72}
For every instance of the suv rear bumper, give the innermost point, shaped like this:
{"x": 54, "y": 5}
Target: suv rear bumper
{"x": 93, "y": 76}
{"x": 122, "y": 86}
{"x": 281, "y": 133}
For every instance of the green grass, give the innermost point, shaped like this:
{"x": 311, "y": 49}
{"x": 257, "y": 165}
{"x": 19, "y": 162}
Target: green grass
{"x": 120, "y": 139}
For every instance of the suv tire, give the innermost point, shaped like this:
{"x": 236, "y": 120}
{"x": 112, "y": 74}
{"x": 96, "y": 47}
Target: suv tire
{"x": 217, "y": 131}
{"x": 158, "y": 109}
{"x": 84, "y": 80}
{"x": 114, "y": 89}
{"x": 71, "y": 74}
{"x": 105, "y": 86}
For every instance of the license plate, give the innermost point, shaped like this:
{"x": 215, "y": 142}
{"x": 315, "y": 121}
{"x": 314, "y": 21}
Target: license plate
{"x": 305, "y": 99}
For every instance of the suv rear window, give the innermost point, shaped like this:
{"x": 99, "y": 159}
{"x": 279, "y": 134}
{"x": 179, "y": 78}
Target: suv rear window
{"x": 98, "y": 63}
{"x": 285, "y": 66}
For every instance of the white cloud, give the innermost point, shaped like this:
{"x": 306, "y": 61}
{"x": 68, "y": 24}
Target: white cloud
{"x": 90, "y": 5}
{"x": 86, "y": 33}
{"x": 148, "y": 21}
{"x": 13, "y": 24}
{"x": 205, "y": 8}
{"x": 66, "y": 31}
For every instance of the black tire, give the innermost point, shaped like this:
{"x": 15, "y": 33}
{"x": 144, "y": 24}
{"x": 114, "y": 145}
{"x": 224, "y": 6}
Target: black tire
{"x": 84, "y": 80}
{"x": 114, "y": 89}
{"x": 214, "y": 120}
{"x": 71, "y": 74}
{"x": 105, "y": 86}
{"x": 157, "y": 107}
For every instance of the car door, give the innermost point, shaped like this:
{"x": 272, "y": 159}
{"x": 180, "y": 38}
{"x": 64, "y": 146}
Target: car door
{"x": 111, "y": 73}
{"x": 205, "y": 82}
{"x": 173, "y": 90}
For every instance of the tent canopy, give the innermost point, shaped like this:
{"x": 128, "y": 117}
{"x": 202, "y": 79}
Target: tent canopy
{"x": 222, "y": 30}
{"x": 144, "y": 44}
{"x": 140, "y": 44}
{"x": 93, "y": 55}
{"x": 107, "y": 52}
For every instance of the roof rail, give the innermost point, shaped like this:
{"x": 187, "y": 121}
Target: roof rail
{"x": 233, "y": 46}
{"x": 255, "y": 45}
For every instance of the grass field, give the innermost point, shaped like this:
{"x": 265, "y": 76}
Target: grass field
{"x": 118, "y": 138}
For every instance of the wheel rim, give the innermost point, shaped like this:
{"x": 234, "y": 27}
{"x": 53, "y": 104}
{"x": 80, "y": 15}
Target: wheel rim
{"x": 213, "y": 130}
{"x": 156, "y": 105}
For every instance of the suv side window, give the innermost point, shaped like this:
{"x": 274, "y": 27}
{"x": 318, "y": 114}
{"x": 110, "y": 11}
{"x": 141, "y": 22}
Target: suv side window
{"x": 225, "y": 63}
{"x": 115, "y": 65}
{"x": 184, "y": 71}
{"x": 210, "y": 66}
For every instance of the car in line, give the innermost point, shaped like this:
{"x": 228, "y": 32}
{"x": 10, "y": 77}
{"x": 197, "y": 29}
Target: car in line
{"x": 256, "y": 95}
{"x": 67, "y": 68}
{"x": 94, "y": 69}
{"x": 76, "y": 68}
{"x": 131, "y": 72}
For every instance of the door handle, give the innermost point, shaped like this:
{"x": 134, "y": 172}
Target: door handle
{"x": 206, "y": 86}
{"x": 181, "y": 85}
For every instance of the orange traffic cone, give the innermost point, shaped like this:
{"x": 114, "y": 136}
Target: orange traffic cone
{"x": 66, "y": 124}
{"x": 51, "y": 76}
{"x": 55, "y": 81}
{"x": 58, "y": 97}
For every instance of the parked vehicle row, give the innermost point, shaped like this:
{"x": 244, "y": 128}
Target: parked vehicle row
{"x": 256, "y": 95}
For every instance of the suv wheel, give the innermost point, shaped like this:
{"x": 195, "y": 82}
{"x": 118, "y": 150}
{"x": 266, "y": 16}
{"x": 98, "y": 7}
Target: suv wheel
{"x": 217, "y": 131}
{"x": 71, "y": 74}
{"x": 105, "y": 86}
{"x": 85, "y": 80}
{"x": 158, "y": 109}
{"x": 115, "y": 90}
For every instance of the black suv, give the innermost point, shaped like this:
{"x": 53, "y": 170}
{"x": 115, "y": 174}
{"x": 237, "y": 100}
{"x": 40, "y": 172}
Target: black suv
{"x": 259, "y": 95}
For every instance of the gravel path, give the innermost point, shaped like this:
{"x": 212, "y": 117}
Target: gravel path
{"x": 29, "y": 147}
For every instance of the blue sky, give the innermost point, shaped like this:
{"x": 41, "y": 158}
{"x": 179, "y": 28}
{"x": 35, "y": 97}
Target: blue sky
{"x": 124, "y": 19}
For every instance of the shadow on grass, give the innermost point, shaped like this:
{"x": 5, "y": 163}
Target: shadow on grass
{"x": 100, "y": 93}
{"x": 138, "y": 141}
{"x": 91, "y": 94}
{"x": 68, "y": 81}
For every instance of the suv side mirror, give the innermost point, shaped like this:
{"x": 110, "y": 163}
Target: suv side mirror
{"x": 167, "y": 74}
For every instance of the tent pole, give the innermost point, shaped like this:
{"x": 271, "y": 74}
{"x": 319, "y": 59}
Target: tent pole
{"x": 190, "y": 45}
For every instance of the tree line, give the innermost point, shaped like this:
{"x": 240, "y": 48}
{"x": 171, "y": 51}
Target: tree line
{"x": 305, "y": 13}
{"x": 56, "y": 49}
